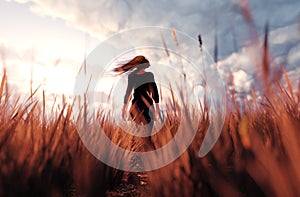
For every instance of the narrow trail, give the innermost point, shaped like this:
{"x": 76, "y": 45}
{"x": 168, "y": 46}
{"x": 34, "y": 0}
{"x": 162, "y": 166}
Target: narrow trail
{"x": 135, "y": 183}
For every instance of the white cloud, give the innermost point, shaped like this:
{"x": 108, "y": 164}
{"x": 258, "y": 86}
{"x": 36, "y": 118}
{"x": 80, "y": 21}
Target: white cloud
{"x": 294, "y": 56}
{"x": 102, "y": 18}
{"x": 19, "y": 1}
{"x": 285, "y": 34}
{"x": 242, "y": 80}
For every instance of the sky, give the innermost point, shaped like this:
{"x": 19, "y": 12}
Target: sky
{"x": 49, "y": 40}
{"x": 47, "y": 46}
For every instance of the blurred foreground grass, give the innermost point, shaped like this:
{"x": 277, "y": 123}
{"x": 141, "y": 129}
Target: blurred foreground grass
{"x": 258, "y": 153}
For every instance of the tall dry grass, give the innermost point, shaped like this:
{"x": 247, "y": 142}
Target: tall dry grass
{"x": 258, "y": 152}
{"x": 256, "y": 155}
{"x": 44, "y": 156}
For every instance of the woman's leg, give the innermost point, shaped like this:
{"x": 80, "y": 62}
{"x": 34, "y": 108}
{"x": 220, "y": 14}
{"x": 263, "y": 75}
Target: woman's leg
{"x": 142, "y": 115}
{"x": 150, "y": 123}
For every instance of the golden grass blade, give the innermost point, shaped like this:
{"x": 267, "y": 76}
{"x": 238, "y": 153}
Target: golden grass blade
{"x": 200, "y": 42}
{"x": 254, "y": 99}
{"x": 3, "y": 81}
{"x": 14, "y": 108}
{"x": 53, "y": 105}
{"x": 178, "y": 51}
{"x": 298, "y": 91}
{"x": 289, "y": 84}
{"x": 271, "y": 105}
{"x": 237, "y": 108}
{"x": 32, "y": 94}
{"x": 244, "y": 6}
{"x": 63, "y": 98}
{"x": 243, "y": 132}
{"x": 165, "y": 45}
{"x": 44, "y": 106}
{"x": 266, "y": 57}
{"x": 201, "y": 107}
{"x": 174, "y": 35}
{"x": 216, "y": 48}
{"x": 249, "y": 105}
{"x": 173, "y": 99}
{"x": 55, "y": 125}
{"x": 7, "y": 95}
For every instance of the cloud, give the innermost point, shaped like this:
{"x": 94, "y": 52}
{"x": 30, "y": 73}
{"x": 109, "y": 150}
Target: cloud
{"x": 242, "y": 81}
{"x": 245, "y": 64}
{"x": 294, "y": 56}
{"x": 102, "y": 18}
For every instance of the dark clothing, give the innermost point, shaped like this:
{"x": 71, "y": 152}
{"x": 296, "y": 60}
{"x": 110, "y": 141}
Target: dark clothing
{"x": 144, "y": 92}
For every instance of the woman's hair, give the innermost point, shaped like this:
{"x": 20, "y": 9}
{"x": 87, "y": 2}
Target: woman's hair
{"x": 138, "y": 62}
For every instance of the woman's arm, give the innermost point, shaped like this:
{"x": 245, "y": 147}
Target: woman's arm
{"x": 124, "y": 111}
{"x": 128, "y": 90}
{"x": 153, "y": 89}
{"x": 155, "y": 97}
{"x": 154, "y": 93}
{"x": 157, "y": 111}
{"x": 127, "y": 97}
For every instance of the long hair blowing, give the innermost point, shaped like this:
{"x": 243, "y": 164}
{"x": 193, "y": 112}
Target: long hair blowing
{"x": 137, "y": 62}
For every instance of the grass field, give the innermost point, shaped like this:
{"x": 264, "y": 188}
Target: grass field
{"x": 258, "y": 153}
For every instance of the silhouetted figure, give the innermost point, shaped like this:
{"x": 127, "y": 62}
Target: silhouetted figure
{"x": 141, "y": 91}
{"x": 144, "y": 89}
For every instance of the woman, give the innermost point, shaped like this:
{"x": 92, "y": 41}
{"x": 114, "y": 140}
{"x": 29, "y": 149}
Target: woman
{"x": 144, "y": 89}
